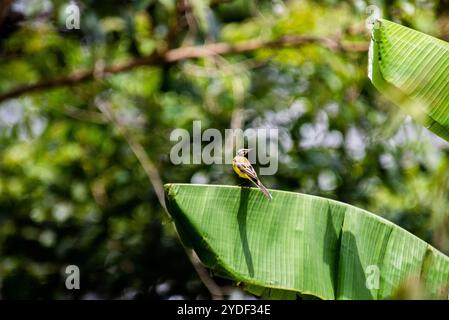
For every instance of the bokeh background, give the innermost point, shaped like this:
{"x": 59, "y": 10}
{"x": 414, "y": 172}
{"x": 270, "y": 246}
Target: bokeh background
{"x": 72, "y": 188}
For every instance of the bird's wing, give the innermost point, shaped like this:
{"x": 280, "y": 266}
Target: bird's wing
{"x": 246, "y": 167}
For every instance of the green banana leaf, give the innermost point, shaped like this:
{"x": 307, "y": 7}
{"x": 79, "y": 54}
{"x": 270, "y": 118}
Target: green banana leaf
{"x": 302, "y": 245}
{"x": 412, "y": 70}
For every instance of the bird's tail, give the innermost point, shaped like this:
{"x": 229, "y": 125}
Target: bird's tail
{"x": 263, "y": 189}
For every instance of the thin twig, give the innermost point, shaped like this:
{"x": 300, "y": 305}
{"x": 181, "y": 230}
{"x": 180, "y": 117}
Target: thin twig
{"x": 156, "y": 181}
{"x": 138, "y": 150}
{"x": 214, "y": 289}
{"x": 85, "y": 115}
{"x": 184, "y": 53}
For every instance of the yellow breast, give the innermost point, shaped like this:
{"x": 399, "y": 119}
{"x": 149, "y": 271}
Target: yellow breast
{"x": 237, "y": 170}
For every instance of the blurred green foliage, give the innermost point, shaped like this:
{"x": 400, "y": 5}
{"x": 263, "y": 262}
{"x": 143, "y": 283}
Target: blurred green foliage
{"x": 73, "y": 192}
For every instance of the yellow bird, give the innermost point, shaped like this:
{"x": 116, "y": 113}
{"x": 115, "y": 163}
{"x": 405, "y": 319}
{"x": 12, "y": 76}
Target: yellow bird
{"x": 244, "y": 169}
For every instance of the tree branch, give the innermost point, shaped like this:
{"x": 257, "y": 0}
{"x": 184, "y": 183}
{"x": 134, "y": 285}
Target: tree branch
{"x": 214, "y": 289}
{"x": 184, "y": 53}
